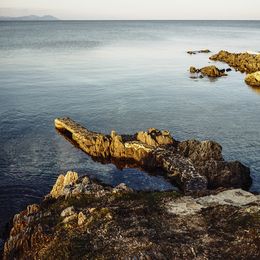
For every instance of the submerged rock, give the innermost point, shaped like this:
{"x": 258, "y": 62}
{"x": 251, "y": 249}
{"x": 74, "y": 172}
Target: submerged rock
{"x": 200, "y": 51}
{"x": 194, "y": 165}
{"x": 137, "y": 225}
{"x": 253, "y": 79}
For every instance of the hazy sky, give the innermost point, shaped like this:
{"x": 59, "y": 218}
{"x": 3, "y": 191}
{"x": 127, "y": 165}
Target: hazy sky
{"x": 134, "y": 9}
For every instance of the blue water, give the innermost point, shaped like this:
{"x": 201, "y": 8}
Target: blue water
{"x": 126, "y": 76}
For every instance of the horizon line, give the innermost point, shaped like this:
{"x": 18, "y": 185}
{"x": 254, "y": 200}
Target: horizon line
{"x": 58, "y": 19}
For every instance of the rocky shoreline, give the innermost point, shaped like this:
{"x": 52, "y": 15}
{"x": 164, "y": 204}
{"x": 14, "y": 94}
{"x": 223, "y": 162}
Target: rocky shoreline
{"x": 210, "y": 218}
{"x": 244, "y": 62}
{"x": 82, "y": 219}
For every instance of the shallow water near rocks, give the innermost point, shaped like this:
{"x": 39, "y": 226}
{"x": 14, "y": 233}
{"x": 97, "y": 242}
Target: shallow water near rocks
{"x": 126, "y": 76}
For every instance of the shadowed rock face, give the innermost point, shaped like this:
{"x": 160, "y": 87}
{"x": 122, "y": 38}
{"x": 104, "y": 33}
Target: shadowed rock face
{"x": 81, "y": 219}
{"x": 194, "y": 165}
{"x": 244, "y": 62}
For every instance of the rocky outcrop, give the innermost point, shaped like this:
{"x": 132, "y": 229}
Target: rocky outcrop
{"x": 194, "y": 165}
{"x": 199, "y": 51}
{"x": 210, "y": 71}
{"x": 244, "y": 62}
{"x": 253, "y": 79}
{"x": 101, "y": 222}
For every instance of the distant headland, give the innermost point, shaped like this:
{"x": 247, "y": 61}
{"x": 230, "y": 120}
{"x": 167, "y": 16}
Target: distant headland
{"x": 29, "y": 18}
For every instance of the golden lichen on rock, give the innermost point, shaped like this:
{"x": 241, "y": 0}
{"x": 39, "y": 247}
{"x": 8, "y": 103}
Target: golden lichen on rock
{"x": 253, "y": 79}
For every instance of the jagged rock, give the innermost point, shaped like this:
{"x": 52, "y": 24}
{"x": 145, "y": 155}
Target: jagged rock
{"x": 81, "y": 218}
{"x": 154, "y": 137}
{"x": 134, "y": 225}
{"x": 200, "y": 151}
{"x": 210, "y": 71}
{"x": 62, "y": 183}
{"x": 32, "y": 209}
{"x": 194, "y": 165}
{"x": 70, "y": 185}
{"x": 253, "y": 79}
{"x": 225, "y": 174}
{"x": 70, "y": 218}
{"x": 122, "y": 188}
{"x": 67, "y": 212}
{"x": 244, "y": 62}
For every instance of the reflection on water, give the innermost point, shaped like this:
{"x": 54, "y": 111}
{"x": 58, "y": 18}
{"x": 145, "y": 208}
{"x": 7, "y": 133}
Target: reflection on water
{"x": 122, "y": 164}
{"x": 126, "y": 76}
{"x": 255, "y": 89}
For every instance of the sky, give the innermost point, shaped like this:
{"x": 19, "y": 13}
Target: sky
{"x": 134, "y": 9}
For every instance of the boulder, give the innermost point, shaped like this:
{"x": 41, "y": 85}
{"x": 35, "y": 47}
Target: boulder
{"x": 212, "y": 71}
{"x": 253, "y": 79}
{"x": 154, "y": 137}
{"x": 193, "y": 70}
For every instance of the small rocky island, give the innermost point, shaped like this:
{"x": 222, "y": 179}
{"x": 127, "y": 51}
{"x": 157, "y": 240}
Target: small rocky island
{"x": 210, "y": 71}
{"x": 212, "y": 216}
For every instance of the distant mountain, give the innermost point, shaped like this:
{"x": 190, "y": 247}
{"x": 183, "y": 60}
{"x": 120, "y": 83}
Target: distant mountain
{"x": 29, "y": 18}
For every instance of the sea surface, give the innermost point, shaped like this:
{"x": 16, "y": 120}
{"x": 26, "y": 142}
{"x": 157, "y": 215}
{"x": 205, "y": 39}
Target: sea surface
{"x": 122, "y": 75}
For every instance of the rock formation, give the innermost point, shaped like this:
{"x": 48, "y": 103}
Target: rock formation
{"x": 253, "y": 79}
{"x": 200, "y": 51}
{"x": 244, "y": 62}
{"x": 194, "y": 165}
{"x": 210, "y": 71}
{"x": 86, "y": 220}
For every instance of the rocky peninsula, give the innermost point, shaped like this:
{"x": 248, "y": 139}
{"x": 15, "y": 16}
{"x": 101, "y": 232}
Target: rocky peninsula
{"x": 211, "y": 217}
{"x": 193, "y": 165}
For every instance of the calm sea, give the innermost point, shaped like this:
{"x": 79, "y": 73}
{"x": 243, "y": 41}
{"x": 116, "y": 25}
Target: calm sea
{"x": 120, "y": 75}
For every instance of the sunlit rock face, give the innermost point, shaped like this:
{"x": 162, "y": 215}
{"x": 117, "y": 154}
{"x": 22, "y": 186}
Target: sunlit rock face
{"x": 253, "y": 79}
{"x": 244, "y": 62}
{"x": 210, "y": 71}
{"x": 193, "y": 165}
{"x": 87, "y": 220}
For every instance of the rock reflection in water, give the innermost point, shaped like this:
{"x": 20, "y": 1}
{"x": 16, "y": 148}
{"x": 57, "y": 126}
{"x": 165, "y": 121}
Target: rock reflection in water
{"x": 129, "y": 171}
